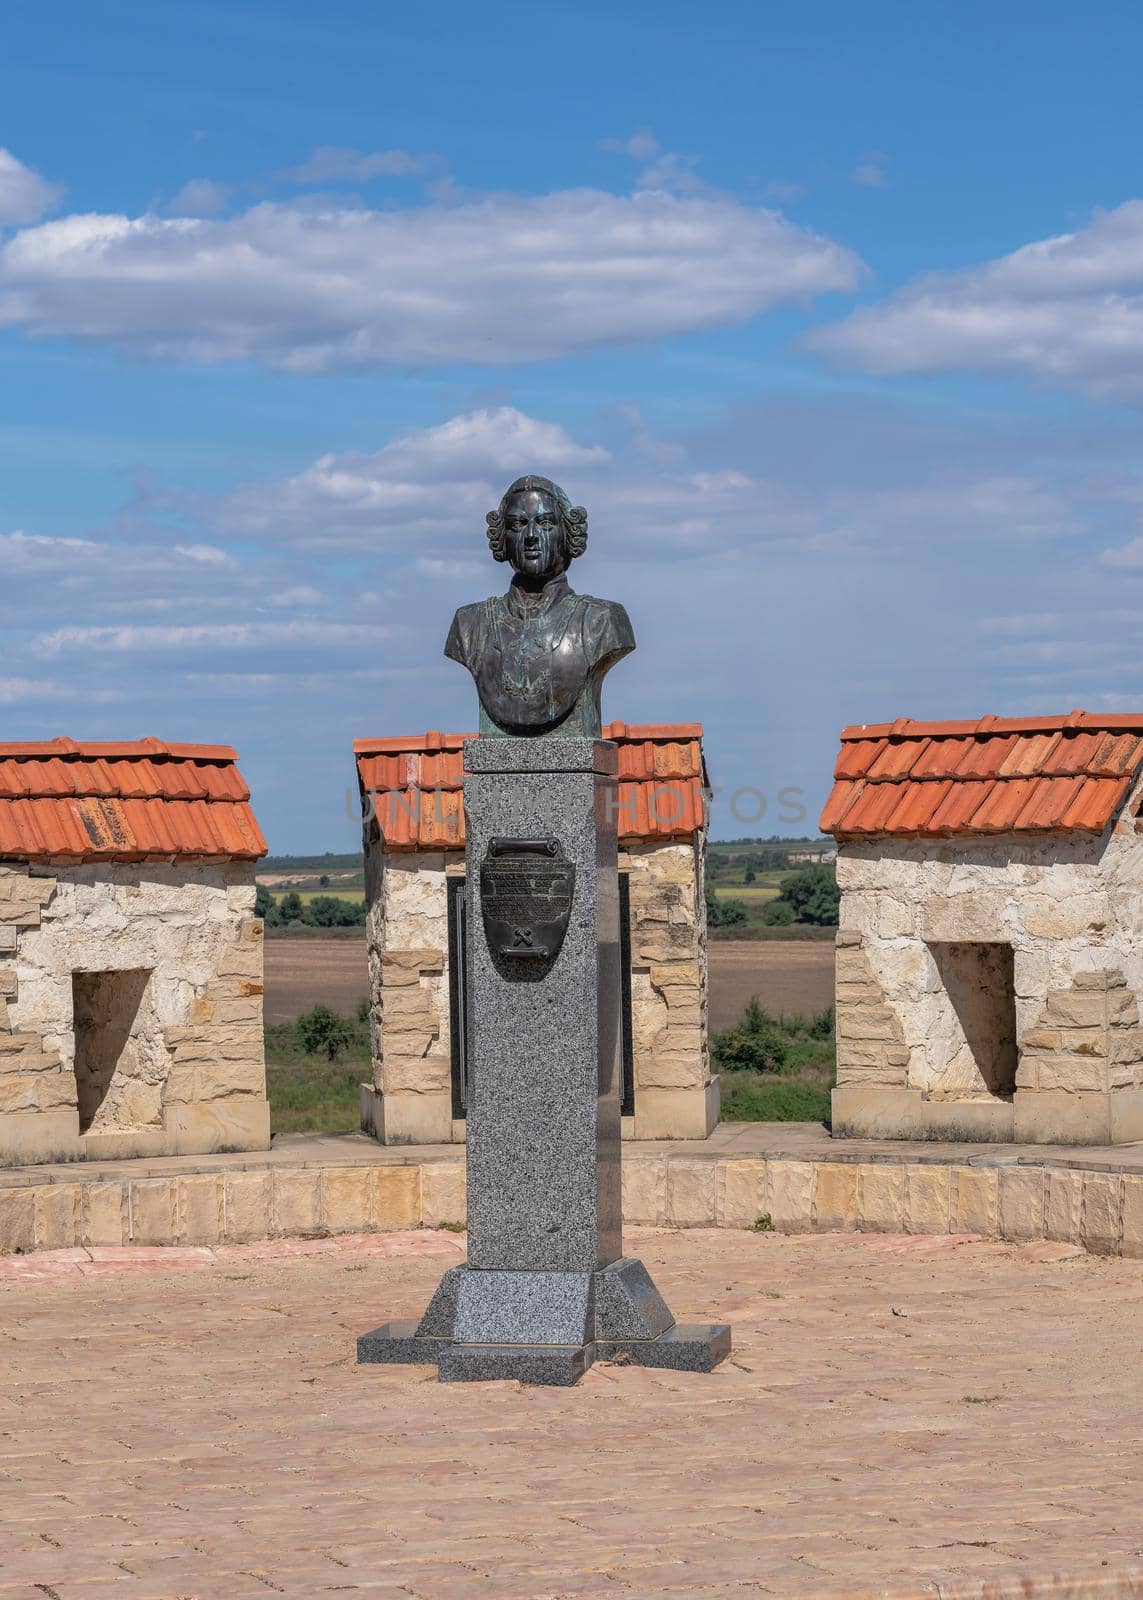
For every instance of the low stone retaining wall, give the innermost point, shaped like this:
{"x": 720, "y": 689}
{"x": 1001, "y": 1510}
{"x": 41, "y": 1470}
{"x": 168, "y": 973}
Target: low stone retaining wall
{"x": 794, "y": 1177}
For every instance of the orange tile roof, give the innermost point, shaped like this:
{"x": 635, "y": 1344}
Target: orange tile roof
{"x": 997, "y": 775}
{"x": 416, "y": 783}
{"x": 144, "y": 801}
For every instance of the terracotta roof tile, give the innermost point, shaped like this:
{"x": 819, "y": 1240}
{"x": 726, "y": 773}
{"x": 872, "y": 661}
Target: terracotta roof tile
{"x": 60, "y": 800}
{"x": 993, "y": 775}
{"x": 416, "y": 784}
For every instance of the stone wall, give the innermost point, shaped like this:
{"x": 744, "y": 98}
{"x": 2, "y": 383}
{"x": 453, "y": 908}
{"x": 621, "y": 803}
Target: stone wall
{"x": 410, "y": 1099}
{"x": 163, "y": 1022}
{"x": 986, "y": 988}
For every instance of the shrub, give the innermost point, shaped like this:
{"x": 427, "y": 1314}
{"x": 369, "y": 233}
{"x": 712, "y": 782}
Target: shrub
{"x": 812, "y": 895}
{"x": 779, "y": 914}
{"x": 756, "y": 1044}
{"x": 322, "y": 1032}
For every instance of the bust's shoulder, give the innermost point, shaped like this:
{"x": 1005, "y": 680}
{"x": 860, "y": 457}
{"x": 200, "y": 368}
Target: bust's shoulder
{"x": 608, "y": 622}
{"x": 467, "y": 627}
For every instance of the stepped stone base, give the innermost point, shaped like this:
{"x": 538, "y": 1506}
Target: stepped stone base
{"x": 545, "y": 1327}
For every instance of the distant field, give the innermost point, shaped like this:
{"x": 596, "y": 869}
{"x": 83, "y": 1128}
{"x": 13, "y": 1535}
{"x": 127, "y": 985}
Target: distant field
{"x": 749, "y": 892}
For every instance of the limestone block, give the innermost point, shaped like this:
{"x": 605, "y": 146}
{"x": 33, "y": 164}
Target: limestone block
{"x": 1022, "y": 1202}
{"x": 1076, "y": 1008}
{"x": 296, "y": 1203}
{"x": 790, "y": 1195}
{"x": 677, "y": 1113}
{"x": 1132, "y": 1244}
{"x": 1102, "y": 1220}
{"x": 416, "y": 1118}
{"x": 1076, "y": 1074}
{"x": 242, "y": 960}
{"x": 218, "y": 1080}
{"x": 1049, "y": 917}
{"x": 17, "y": 1220}
{"x": 151, "y": 1212}
{"x": 835, "y": 1195}
{"x": 881, "y": 1197}
{"x": 691, "y": 1194}
{"x": 867, "y": 1022}
{"x": 8, "y": 985}
{"x": 346, "y": 1199}
{"x": 18, "y": 1094}
{"x": 645, "y": 1191}
{"x": 57, "y": 1215}
{"x": 740, "y": 1193}
{"x": 676, "y": 1062}
{"x": 247, "y": 1207}
{"x": 240, "y": 1122}
{"x": 1103, "y": 978}
{"x": 105, "y": 1215}
{"x": 1056, "y": 1116}
{"x": 896, "y": 919}
{"x": 442, "y": 1193}
{"x": 927, "y": 1198}
{"x": 396, "y": 1197}
{"x": 1125, "y": 1046}
{"x": 199, "y": 1205}
{"x": 975, "y": 1200}
{"x": 415, "y": 1072}
{"x": 1126, "y": 1116}
{"x": 1064, "y": 1215}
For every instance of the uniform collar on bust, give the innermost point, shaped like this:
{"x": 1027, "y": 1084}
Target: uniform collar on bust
{"x": 534, "y": 603}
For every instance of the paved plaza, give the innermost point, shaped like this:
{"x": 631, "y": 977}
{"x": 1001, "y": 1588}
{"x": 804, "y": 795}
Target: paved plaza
{"x": 903, "y": 1416}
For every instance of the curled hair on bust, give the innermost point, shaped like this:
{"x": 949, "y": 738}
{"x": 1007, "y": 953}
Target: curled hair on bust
{"x": 573, "y": 519}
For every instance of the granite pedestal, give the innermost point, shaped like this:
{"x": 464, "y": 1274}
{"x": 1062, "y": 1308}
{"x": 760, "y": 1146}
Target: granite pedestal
{"x": 546, "y": 1290}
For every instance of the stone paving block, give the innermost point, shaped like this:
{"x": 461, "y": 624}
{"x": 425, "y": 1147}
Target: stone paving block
{"x": 1063, "y": 1220}
{"x": 645, "y": 1190}
{"x": 1132, "y": 1217}
{"x": 105, "y": 1213}
{"x": 881, "y": 1197}
{"x": 248, "y": 1207}
{"x": 199, "y": 1209}
{"x": 151, "y": 1211}
{"x": 397, "y": 1197}
{"x": 297, "y": 1203}
{"x": 17, "y": 1221}
{"x": 1102, "y": 1213}
{"x": 1022, "y": 1202}
{"x": 346, "y": 1199}
{"x": 740, "y": 1193}
{"x": 790, "y": 1195}
{"x": 927, "y": 1198}
{"x": 57, "y": 1215}
{"x": 975, "y": 1201}
{"x": 691, "y": 1194}
{"x": 835, "y": 1195}
{"x": 442, "y": 1193}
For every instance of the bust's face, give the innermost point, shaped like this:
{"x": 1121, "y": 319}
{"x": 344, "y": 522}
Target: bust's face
{"x": 533, "y": 535}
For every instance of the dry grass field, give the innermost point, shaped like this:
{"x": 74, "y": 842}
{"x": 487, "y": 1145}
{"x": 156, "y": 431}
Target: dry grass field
{"x": 785, "y": 975}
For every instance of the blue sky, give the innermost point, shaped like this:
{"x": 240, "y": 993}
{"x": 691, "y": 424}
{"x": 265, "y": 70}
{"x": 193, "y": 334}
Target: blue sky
{"x": 831, "y": 315}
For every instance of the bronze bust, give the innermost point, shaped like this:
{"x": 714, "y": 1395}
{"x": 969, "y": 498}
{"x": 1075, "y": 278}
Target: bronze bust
{"x": 539, "y": 654}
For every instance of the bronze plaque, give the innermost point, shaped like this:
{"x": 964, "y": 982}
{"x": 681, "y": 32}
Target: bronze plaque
{"x": 526, "y": 890}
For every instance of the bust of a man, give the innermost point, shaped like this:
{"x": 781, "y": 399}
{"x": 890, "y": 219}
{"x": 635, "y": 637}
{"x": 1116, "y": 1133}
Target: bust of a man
{"x": 539, "y": 654}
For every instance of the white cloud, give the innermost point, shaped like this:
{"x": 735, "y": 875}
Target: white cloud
{"x": 430, "y": 483}
{"x": 200, "y": 197}
{"x": 298, "y": 594}
{"x": 642, "y": 145}
{"x": 499, "y": 279}
{"x": 208, "y": 636}
{"x": 1128, "y": 557}
{"x": 870, "y": 171}
{"x": 1064, "y": 312}
{"x": 336, "y": 163}
{"x": 33, "y": 691}
{"x": 24, "y": 194}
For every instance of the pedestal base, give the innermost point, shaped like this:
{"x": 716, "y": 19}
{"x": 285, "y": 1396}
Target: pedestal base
{"x": 545, "y": 1327}
{"x": 687, "y": 1347}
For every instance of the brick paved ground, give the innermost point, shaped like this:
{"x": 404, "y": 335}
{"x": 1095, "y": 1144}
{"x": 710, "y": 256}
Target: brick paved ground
{"x": 897, "y": 1413}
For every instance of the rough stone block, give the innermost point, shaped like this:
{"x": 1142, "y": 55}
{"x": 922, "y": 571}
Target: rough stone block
{"x": 442, "y": 1193}
{"x": 1022, "y": 1202}
{"x": 221, "y": 1079}
{"x": 1132, "y": 1244}
{"x": 975, "y": 1200}
{"x": 740, "y": 1193}
{"x": 57, "y": 1215}
{"x": 105, "y": 1214}
{"x": 17, "y": 1220}
{"x": 199, "y": 1208}
{"x": 248, "y": 1207}
{"x": 1076, "y": 1074}
{"x": 1076, "y": 1008}
{"x": 645, "y": 1191}
{"x": 881, "y": 1197}
{"x": 1064, "y": 1215}
{"x": 151, "y": 1210}
{"x": 1102, "y": 1221}
{"x": 691, "y": 1194}
{"x": 396, "y": 1198}
{"x": 346, "y": 1199}
{"x": 867, "y": 1022}
{"x": 790, "y": 1195}
{"x": 927, "y": 1198}
{"x": 409, "y": 1067}
{"x": 297, "y": 1204}
{"x": 240, "y": 1122}
{"x": 835, "y": 1195}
